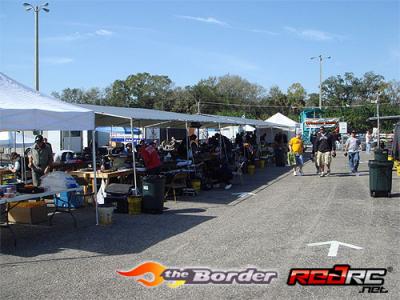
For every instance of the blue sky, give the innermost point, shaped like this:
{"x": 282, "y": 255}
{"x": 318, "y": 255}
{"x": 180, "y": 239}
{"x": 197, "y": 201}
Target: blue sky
{"x": 92, "y": 43}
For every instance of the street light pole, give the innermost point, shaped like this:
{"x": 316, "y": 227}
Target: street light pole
{"x": 321, "y": 58}
{"x": 36, "y": 9}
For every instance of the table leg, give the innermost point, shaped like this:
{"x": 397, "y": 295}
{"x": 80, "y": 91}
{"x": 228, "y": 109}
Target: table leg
{"x": 68, "y": 210}
{"x": 7, "y": 224}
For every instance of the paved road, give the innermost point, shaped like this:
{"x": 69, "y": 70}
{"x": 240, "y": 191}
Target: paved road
{"x": 269, "y": 229}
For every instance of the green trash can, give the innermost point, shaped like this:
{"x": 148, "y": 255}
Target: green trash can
{"x": 381, "y": 155}
{"x": 380, "y": 177}
{"x": 153, "y": 194}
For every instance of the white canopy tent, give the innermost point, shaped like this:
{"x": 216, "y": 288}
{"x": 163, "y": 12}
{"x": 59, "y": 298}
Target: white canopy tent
{"x": 22, "y": 108}
{"x": 282, "y": 121}
{"x": 121, "y": 116}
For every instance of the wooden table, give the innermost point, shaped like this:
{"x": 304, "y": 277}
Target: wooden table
{"x": 89, "y": 175}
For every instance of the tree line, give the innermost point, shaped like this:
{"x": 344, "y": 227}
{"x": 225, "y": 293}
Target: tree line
{"x": 346, "y": 96}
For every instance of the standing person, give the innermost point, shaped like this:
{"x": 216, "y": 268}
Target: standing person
{"x": 15, "y": 166}
{"x": 326, "y": 148}
{"x": 314, "y": 138}
{"x": 48, "y": 144}
{"x": 352, "y": 148}
{"x": 151, "y": 158}
{"x": 40, "y": 160}
{"x": 296, "y": 146}
{"x": 368, "y": 141}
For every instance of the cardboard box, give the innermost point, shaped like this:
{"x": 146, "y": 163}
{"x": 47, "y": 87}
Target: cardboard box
{"x": 28, "y": 215}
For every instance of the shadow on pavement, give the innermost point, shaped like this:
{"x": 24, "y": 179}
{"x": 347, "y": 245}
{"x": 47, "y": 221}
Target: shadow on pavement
{"x": 128, "y": 234}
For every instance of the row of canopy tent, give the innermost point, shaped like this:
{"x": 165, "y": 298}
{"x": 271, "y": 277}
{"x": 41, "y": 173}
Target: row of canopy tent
{"x": 22, "y": 109}
{"x": 121, "y": 116}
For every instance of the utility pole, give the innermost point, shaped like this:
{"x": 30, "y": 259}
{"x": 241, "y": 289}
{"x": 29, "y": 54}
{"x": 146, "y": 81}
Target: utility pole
{"x": 378, "y": 122}
{"x": 321, "y": 58}
{"x": 36, "y": 9}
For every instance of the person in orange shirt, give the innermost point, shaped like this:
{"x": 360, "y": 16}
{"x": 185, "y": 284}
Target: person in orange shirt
{"x": 296, "y": 146}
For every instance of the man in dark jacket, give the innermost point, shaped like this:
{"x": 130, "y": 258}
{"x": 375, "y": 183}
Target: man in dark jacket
{"x": 314, "y": 139}
{"x": 326, "y": 148}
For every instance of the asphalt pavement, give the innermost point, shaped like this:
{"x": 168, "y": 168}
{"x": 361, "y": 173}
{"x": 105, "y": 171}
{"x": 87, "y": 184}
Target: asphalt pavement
{"x": 266, "y": 223}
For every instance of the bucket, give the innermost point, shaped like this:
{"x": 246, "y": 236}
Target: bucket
{"x": 134, "y": 205}
{"x": 262, "y": 163}
{"x": 251, "y": 169}
{"x": 196, "y": 184}
{"x": 105, "y": 215}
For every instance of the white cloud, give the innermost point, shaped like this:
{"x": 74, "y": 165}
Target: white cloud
{"x": 313, "y": 34}
{"x": 210, "y": 20}
{"x": 264, "y": 31}
{"x": 79, "y": 36}
{"x": 104, "y": 32}
{"x": 57, "y": 60}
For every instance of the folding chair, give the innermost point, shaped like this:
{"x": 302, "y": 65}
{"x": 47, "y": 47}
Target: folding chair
{"x": 177, "y": 182}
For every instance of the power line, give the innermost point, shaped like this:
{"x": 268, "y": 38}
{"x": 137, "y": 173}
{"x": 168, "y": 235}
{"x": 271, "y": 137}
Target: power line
{"x": 289, "y": 106}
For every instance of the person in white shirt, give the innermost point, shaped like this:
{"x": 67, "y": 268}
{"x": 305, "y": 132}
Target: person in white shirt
{"x": 368, "y": 141}
{"x": 352, "y": 149}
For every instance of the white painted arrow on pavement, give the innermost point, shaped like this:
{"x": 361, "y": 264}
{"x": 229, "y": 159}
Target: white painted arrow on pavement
{"x": 241, "y": 195}
{"x": 334, "y": 246}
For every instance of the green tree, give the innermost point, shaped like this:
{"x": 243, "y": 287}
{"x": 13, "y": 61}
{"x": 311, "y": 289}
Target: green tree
{"x": 312, "y": 100}
{"x": 296, "y": 96}
{"x": 148, "y": 91}
{"x": 118, "y": 94}
{"x": 70, "y": 95}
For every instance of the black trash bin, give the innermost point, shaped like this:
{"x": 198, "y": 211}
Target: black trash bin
{"x": 153, "y": 187}
{"x": 380, "y": 177}
{"x": 381, "y": 155}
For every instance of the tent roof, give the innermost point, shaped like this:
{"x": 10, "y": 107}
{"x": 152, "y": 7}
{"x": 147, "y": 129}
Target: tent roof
{"x": 244, "y": 121}
{"x": 282, "y": 120}
{"x": 22, "y": 108}
{"x": 121, "y": 116}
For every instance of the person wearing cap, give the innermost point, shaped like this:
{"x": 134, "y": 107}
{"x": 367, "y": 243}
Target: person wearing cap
{"x": 326, "y": 148}
{"x": 40, "y": 160}
{"x": 352, "y": 149}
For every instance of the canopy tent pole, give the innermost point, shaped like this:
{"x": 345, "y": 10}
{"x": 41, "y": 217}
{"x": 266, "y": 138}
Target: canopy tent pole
{"x": 69, "y": 140}
{"x": 187, "y": 141}
{"x": 220, "y": 141}
{"x": 23, "y": 165}
{"x": 133, "y": 158}
{"x": 15, "y": 141}
{"x": 94, "y": 187}
{"x": 111, "y": 133}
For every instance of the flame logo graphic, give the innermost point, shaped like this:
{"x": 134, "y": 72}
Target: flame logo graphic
{"x": 154, "y": 268}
